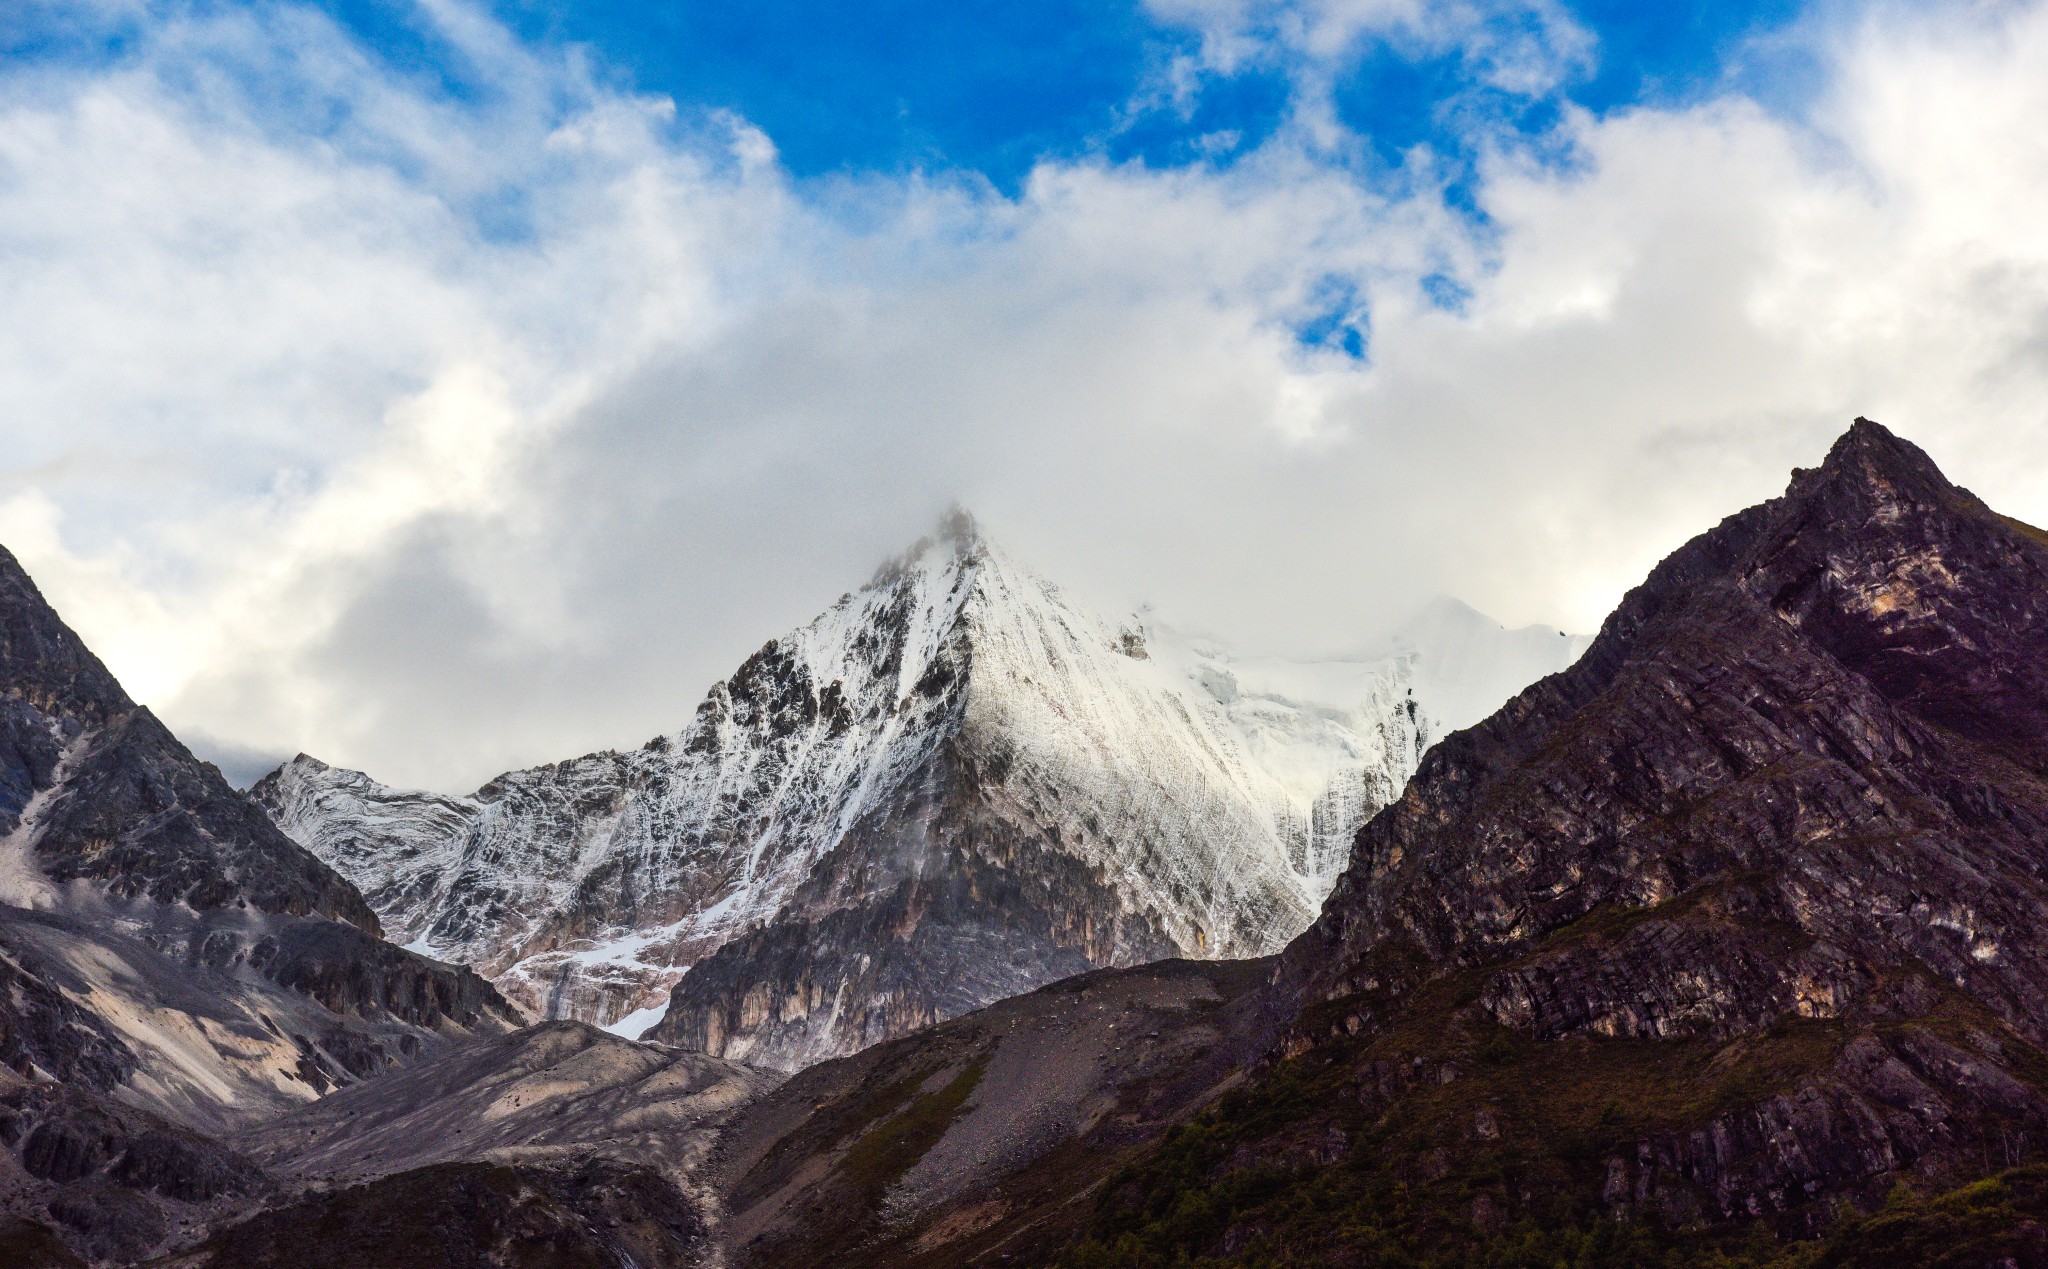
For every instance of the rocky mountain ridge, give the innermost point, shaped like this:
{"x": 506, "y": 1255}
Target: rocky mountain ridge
{"x": 1682, "y": 957}
{"x": 1720, "y": 948}
{"x": 171, "y": 965}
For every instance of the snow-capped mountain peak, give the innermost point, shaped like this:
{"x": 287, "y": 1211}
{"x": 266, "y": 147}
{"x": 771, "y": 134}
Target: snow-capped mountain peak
{"x": 954, "y": 784}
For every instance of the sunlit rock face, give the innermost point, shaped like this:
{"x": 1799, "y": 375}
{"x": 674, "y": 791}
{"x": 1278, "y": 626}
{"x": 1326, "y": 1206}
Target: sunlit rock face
{"x": 954, "y": 785}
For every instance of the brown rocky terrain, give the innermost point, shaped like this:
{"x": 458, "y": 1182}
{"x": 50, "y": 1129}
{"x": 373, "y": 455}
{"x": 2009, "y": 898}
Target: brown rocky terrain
{"x": 555, "y": 1145}
{"x": 560, "y": 1091}
{"x": 1799, "y": 786}
{"x": 931, "y": 1149}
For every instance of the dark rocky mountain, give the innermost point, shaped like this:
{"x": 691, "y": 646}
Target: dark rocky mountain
{"x": 113, "y": 1180}
{"x": 1744, "y": 915}
{"x": 1692, "y": 950}
{"x": 94, "y": 788}
{"x": 171, "y": 965}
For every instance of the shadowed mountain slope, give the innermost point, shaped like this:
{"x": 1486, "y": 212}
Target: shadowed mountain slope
{"x": 938, "y": 1147}
{"x": 557, "y": 1145}
{"x": 1743, "y": 915}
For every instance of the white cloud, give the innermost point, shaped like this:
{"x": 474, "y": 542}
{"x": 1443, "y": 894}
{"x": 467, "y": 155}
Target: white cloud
{"x": 1523, "y": 47}
{"x": 436, "y": 436}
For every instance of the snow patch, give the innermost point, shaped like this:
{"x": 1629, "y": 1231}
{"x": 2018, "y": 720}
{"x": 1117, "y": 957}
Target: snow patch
{"x": 636, "y": 1024}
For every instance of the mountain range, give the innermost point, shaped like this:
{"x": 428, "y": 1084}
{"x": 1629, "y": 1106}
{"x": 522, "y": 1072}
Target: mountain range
{"x": 1723, "y": 945}
{"x": 955, "y": 785}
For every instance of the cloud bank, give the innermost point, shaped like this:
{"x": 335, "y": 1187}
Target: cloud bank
{"x": 436, "y": 432}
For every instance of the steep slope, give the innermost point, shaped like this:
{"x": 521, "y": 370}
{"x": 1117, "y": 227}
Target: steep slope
{"x": 954, "y": 785}
{"x": 1742, "y": 918}
{"x": 168, "y": 958}
{"x": 936, "y": 1147}
{"x": 94, "y": 788}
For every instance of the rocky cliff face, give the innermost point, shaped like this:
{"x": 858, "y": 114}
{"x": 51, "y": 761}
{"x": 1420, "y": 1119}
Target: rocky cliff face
{"x": 955, "y": 785}
{"x": 1835, "y": 704}
{"x": 94, "y": 788}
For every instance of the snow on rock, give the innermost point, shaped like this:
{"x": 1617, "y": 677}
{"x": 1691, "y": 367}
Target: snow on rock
{"x": 1187, "y": 800}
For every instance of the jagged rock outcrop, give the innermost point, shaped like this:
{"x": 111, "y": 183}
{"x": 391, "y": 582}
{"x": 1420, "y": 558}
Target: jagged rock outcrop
{"x": 955, "y": 785}
{"x": 1834, "y": 708}
{"x": 116, "y": 1181}
{"x": 94, "y": 788}
{"x": 140, "y": 894}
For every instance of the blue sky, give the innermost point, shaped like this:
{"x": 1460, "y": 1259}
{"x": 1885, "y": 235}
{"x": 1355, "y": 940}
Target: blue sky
{"x": 993, "y": 88}
{"x": 988, "y": 91}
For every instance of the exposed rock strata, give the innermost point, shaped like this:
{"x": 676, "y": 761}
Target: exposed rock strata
{"x": 94, "y": 788}
{"x": 112, "y": 1181}
{"x": 1800, "y": 778}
